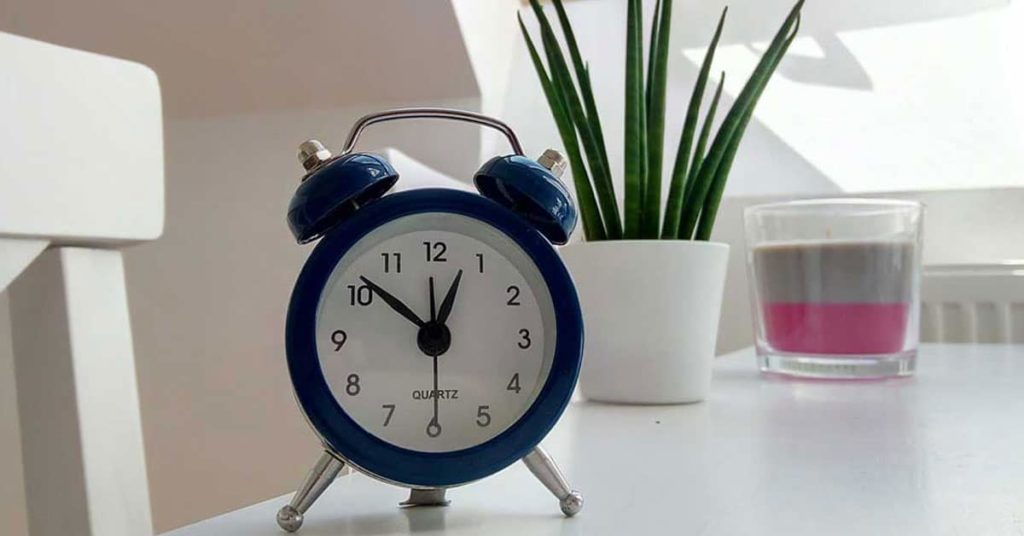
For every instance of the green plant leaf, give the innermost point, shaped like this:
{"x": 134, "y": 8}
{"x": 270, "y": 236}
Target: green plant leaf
{"x": 633, "y": 156}
{"x": 582, "y": 70}
{"x": 657, "y": 78}
{"x": 593, "y": 227}
{"x": 603, "y": 182}
{"x": 595, "y": 126}
{"x": 643, "y": 135}
{"x": 563, "y": 83}
{"x": 731, "y": 125}
{"x": 643, "y": 129}
{"x": 678, "y": 185}
{"x": 714, "y": 197}
{"x": 702, "y": 140}
{"x": 652, "y": 51}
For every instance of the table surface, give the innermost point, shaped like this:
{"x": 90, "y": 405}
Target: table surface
{"x": 940, "y": 453}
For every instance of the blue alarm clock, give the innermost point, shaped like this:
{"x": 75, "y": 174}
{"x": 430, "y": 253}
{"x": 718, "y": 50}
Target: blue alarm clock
{"x": 434, "y": 336}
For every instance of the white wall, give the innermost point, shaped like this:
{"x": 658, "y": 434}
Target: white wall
{"x": 492, "y": 42}
{"x": 253, "y": 56}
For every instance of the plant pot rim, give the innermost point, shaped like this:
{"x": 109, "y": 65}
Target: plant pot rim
{"x": 611, "y": 244}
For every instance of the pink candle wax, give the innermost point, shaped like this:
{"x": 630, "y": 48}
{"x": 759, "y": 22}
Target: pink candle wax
{"x": 835, "y": 297}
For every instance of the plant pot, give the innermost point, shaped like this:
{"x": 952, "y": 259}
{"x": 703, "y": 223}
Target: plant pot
{"x": 650, "y": 311}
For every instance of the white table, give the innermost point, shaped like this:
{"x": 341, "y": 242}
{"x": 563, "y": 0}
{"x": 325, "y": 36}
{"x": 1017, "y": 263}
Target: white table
{"x": 941, "y": 453}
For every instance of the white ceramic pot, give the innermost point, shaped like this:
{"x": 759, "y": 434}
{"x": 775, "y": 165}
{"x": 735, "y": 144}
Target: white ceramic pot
{"x": 650, "y": 311}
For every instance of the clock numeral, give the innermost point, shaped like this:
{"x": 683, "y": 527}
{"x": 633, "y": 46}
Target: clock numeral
{"x": 513, "y": 384}
{"x": 360, "y": 295}
{"x": 352, "y": 385}
{"x": 513, "y": 296}
{"x": 525, "y": 342}
{"x": 436, "y": 251}
{"x": 391, "y": 411}
{"x": 480, "y": 261}
{"x": 392, "y": 260}
{"x": 339, "y": 337}
{"x": 483, "y": 417}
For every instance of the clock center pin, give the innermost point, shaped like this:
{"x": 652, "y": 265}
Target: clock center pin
{"x": 434, "y": 338}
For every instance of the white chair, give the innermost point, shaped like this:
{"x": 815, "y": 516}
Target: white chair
{"x": 81, "y": 175}
{"x": 975, "y": 303}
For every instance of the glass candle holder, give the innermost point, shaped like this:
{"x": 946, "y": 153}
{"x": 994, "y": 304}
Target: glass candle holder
{"x": 834, "y": 286}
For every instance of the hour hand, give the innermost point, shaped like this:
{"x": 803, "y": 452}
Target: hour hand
{"x": 449, "y": 299}
{"x": 393, "y": 302}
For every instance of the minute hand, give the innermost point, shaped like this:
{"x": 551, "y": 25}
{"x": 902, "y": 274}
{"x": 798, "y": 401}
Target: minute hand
{"x": 393, "y": 302}
{"x": 449, "y": 300}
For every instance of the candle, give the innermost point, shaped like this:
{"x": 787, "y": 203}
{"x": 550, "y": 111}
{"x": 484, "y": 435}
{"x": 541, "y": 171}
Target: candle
{"x": 835, "y": 297}
{"x": 834, "y": 286}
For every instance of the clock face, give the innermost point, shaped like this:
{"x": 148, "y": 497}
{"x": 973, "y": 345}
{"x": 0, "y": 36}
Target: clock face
{"x": 435, "y": 332}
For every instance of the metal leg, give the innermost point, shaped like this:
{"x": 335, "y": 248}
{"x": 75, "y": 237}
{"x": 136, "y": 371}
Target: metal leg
{"x": 426, "y": 497}
{"x": 545, "y": 469}
{"x": 290, "y": 517}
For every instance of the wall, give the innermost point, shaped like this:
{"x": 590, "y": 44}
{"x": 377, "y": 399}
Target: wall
{"x": 491, "y": 39}
{"x": 254, "y": 56}
{"x": 874, "y": 95}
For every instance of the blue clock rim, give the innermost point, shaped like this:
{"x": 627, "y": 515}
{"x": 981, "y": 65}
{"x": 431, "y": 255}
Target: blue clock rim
{"x": 391, "y": 462}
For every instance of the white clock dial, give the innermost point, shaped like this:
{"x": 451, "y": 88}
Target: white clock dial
{"x": 495, "y": 347}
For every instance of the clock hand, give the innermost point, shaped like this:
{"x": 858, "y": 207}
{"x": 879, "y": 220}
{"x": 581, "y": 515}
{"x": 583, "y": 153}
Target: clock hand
{"x": 435, "y": 390}
{"x": 449, "y": 299}
{"x": 437, "y": 320}
{"x": 434, "y": 427}
{"x": 393, "y": 302}
{"x": 433, "y": 307}
{"x": 433, "y": 338}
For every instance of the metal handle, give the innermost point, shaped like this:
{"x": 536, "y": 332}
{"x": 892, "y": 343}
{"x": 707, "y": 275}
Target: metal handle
{"x": 430, "y": 113}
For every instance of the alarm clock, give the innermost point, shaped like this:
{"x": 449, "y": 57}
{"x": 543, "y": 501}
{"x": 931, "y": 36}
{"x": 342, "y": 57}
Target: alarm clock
{"x": 434, "y": 336}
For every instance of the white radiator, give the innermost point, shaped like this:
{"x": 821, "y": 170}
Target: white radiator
{"x": 978, "y": 303}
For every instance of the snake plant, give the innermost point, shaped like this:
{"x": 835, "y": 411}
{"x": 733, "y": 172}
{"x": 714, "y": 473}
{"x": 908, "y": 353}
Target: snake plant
{"x": 699, "y": 171}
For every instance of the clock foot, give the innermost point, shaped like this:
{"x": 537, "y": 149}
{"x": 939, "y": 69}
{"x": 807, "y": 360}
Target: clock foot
{"x": 426, "y": 497}
{"x": 290, "y": 517}
{"x": 545, "y": 469}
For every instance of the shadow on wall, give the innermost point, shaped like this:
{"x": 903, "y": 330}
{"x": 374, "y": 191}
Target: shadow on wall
{"x": 836, "y": 66}
{"x": 762, "y": 149}
{"x": 814, "y": 149}
{"x": 748, "y": 19}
